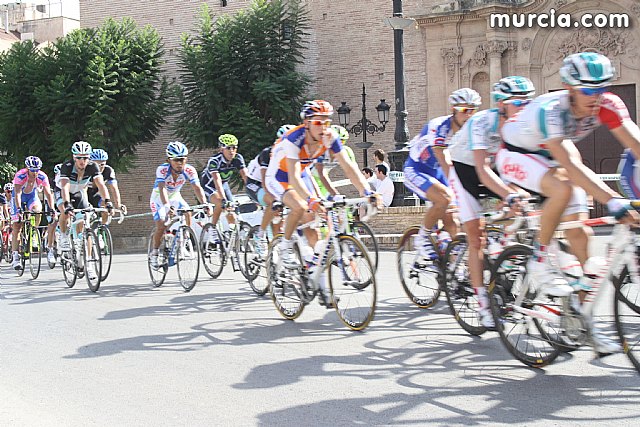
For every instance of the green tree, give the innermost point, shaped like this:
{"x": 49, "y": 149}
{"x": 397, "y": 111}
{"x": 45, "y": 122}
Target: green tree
{"x": 102, "y": 85}
{"x": 7, "y": 172}
{"x": 238, "y": 75}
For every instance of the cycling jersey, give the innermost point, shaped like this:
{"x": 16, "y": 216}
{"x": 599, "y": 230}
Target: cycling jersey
{"x": 549, "y": 117}
{"x": 254, "y": 171}
{"x": 436, "y": 133}
{"x": 76, "y": 184}
{"x": 629, "y": 170}
{"x": 173, "y": 185}
{"x": 226, "y": 168}
{"x": 480, "y": 132}
{"x": 22, "y": 178}
{"x": 109, "y": 176}
{"x": 316, "y": 175}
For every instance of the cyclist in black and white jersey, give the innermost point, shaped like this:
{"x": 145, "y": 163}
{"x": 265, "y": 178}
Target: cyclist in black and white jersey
{"x": 220, "y": 168}
{"x": 74, "y": 178}
{"x": 100, "y": 157}
{"x": 52, "y": 219}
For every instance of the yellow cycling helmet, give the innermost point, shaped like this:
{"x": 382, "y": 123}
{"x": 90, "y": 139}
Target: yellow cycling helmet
{"x": 228, "y": 140}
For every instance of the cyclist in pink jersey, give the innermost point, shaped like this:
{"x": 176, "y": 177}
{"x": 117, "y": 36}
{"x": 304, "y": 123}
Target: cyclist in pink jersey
{"x": 26, "y": 184}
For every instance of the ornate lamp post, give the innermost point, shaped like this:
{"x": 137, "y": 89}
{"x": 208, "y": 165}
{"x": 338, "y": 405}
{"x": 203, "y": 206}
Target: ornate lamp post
{"x": 364, "y": 126}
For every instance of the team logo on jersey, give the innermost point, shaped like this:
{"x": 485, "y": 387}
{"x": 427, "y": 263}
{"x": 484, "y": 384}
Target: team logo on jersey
{"x": 514, "y": 170}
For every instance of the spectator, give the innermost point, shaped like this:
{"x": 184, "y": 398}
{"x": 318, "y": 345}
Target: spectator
{"x": 368, "y": 175}
{"x": 378, "y": 156}
{"x": 385, "y": 185}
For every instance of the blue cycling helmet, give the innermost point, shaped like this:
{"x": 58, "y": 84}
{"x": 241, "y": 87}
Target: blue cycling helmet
{"x": 99, "y": 155}
{"x": 177, "y": 149}
{"x": 33, "y": 163}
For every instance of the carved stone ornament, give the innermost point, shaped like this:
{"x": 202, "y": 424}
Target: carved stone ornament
{"x": 602, "y": 40}
{"x": 526, "y": 44}
{"x": 635, "y": 9}
{"x": 451, "y": 57}
{"x": 560, "y": 3}
{"x": 496, "y": 47}
{"x": 480, "y": 56}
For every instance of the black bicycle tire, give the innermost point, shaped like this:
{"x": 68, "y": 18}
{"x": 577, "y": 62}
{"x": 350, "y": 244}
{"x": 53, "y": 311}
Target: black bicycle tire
{"x": 188, "y": 231}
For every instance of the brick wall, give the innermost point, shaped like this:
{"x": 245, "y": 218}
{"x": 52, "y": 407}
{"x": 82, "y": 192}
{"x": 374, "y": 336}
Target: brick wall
{"x": 348, "y": 46}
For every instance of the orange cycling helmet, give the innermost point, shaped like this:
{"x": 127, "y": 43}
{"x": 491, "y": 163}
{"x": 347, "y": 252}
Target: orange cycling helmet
{"x": 316, "y": 108}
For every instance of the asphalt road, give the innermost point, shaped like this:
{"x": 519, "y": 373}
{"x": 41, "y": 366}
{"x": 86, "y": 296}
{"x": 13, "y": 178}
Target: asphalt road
{"x": 135, "y": 355}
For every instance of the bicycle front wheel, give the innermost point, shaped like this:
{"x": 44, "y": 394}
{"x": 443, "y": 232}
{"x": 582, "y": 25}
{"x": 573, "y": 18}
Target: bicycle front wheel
{"x": 241, "y": 246}
{"x": 513, "y": 305}
{"x": 212, "y": 249}
{"x": 420, "y": 282}
{"x": 92, "y": 260}
{"x": 285, "y": 284}
{"x": 24, "y": 252}
{"x": 352, "y": 282}
{"x": 627, "y": 315}
{"x": 159, "y": 271}
{"x": 255, "y": 264}
{"x": 69, "y": 267}
{"x": 363, "y": 232}
{"x": 105, "y": 242}
{"x": 35, "y": 257}
{"x": 187, "y": 257}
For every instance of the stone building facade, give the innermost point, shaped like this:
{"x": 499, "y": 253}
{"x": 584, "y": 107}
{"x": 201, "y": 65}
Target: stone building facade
{"x": 452, "y": 45}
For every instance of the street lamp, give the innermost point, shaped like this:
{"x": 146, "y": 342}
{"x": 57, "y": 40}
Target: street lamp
{"x": 364, "y": 126}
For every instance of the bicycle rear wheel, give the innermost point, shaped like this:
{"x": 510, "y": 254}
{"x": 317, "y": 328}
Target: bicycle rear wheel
{"x": 627, "y": 315}
{"x": 241, "y": 240}
{"x": 285, "y": 284}
{"x": 212, "y": 249}
{"x": 187, "y": 257}
{"x": 105, "y": 242}
{"x": 363, "y": 232}
{"x": 420, "y": 283}
{"x": 456, "y": 283}
{"x": 353, "y": 283}
{"x": 23, "y": 250}
{"x": 35, "y": 256}
{"x": 255, "y": 265}
{"x": 92, "y": 260}
{"x": 512, "y": 305}
{"x": 158, "y": 273}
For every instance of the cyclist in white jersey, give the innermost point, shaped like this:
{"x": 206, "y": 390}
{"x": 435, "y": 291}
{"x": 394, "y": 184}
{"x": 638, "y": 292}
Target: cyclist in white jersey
{"x": 472, "y": 176}
{"x": 549, "y": 127}
{"x": 166, "y": 197}
{"x": 427, "y": 166}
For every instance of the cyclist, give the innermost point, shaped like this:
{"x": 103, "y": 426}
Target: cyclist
{"x": 5, "y": 200}
{"x": 100, "y": 157}
{"x": 541, "y": 140}
{"x": 320, "y": 176}
{"x": 255, "y": 189}
{"x": 299, "y": 148}
{"x": 75, "y": 175}
{"x": 214, "y": 179}
{"x": 473, "y": 179}
{"x": 26, "y": 184}
{"x": 427, "y": 167}
{"x": 166, "y": 197}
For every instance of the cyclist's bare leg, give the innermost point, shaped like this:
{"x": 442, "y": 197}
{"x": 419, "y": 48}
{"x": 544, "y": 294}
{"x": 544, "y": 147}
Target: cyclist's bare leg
{"x": 475, "y": 242}
{"x": 297, "y": 207}
{"x": 268, "y": 213}
{"x": 15, "y": 235}
{"x": 217, "y": 210}
{"x": 440, "y": 198}
{"x": 51, "y": 233}
{"x": 558, "y": 191}
{"x": 158, "y": 233}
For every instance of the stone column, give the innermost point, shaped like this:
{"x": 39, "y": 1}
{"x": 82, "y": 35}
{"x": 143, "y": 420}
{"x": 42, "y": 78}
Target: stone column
{"x": 495, "y": 49}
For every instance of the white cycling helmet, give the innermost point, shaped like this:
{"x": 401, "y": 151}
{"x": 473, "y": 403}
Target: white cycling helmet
{"x": 8, "y": 186}
{"x": 176, "y": 149}
{"x": 33, "y": 163}
{"x": 81, "y": 148}
{"x": 587, "y": 69}
{"x": 56, "y": 168}
{"x": 466, "y": 96}
{"x": 284, "y": 129}
{"x": 511, "y": 86}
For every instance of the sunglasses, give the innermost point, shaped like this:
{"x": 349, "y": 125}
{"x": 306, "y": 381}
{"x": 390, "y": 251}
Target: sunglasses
{"x": 326, "y": 123}
{"x": 34, "y": 170}
{"x": 179, "y": 159}
{"x": 230, "y": 147}
{"x": 593, "y": 91}
{"x": 81, "y": 158}
{"x": 517, "y": 102}
{"x": 465, "y": 110}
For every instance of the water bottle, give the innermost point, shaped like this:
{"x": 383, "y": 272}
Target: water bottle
{"x": 494, "y": 247}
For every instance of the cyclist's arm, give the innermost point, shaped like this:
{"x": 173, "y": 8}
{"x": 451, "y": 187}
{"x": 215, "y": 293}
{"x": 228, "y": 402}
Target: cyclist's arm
{"x": 115, "y": 190}
{"x": 352, "y": 173}
{"x": 324, "y": 179}
{"x": 17, "y": 195}
{"x": 443, "y": 157}
{"x": 197, "y": 189}
{"x": 243, "y": 175}
{"x": 98, "y": 181}
{"x": 578, "y": 173}
{"x": 164, "y": 195}
{"x": 629, "y": 135}
{"x": 295, "y": 179}
{"x": 49, "y": 195}
{"x": 487, "y": 176}
{"x": 217, "y": 181}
